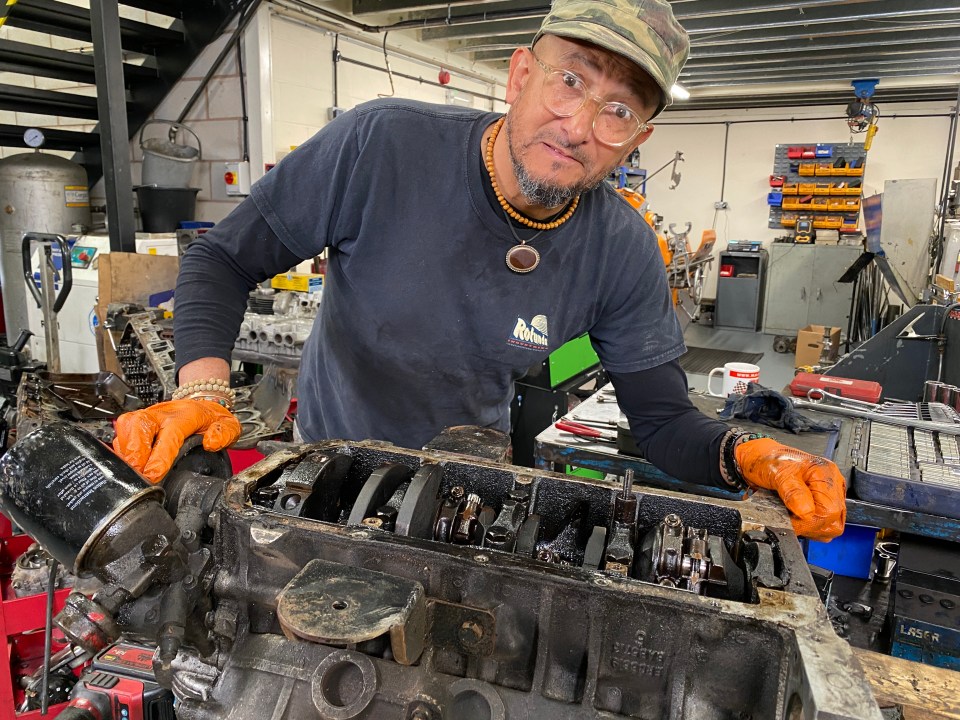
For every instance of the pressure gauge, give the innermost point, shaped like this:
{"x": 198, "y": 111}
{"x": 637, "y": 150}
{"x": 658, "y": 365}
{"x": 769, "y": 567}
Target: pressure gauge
{"x": 33, "y": 137}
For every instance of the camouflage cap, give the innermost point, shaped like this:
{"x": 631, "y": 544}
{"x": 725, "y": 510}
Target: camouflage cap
{"x": 644, "y": 31}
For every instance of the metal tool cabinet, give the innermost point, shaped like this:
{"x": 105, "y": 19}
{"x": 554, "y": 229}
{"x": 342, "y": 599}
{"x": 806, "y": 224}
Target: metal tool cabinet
{"x": 802, "y": 287}
{"x": 740, "y": 296}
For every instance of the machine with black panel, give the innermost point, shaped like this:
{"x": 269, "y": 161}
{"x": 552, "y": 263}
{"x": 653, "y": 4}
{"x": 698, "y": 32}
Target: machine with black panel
{"x": 925, "y": 604}
{"x": 360, "y": 580}
{"x": 922, "y": 344}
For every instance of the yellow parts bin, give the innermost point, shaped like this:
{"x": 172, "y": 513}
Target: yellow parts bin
{"x": 300, "y": 282}
{"x": 827, "y": 222}
{"x": 844, "y": 205}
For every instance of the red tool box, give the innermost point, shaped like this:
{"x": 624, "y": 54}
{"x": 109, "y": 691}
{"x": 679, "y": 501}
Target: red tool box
{"x": 21, "y": 625}
{"x": 863, "y": 390}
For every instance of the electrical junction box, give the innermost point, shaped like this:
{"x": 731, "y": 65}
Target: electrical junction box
{"x": 236, "y": 177}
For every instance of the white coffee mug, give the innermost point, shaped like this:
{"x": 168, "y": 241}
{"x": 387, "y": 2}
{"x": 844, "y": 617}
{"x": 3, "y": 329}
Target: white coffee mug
{"x": 736, "y": 376}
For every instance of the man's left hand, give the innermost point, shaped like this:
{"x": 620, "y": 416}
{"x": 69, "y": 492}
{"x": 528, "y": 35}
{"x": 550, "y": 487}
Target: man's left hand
{"x": 812, "y": 488}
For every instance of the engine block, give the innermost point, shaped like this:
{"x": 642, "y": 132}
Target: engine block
{"x": 359, "y": 580}
{"x": 333, "y": 617}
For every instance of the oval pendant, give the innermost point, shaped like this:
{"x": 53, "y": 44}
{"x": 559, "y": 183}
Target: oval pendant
{"x": 522, "y": 258}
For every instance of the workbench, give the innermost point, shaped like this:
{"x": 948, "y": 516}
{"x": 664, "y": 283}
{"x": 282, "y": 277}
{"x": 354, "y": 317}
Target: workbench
{"x": 555, "y": 449}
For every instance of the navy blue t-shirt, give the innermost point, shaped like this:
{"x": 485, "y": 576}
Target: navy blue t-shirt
{"x": 422, "y": 325}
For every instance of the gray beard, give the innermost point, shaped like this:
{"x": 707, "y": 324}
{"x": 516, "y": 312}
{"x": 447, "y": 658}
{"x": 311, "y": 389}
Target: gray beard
{"x": 537, "y": 192}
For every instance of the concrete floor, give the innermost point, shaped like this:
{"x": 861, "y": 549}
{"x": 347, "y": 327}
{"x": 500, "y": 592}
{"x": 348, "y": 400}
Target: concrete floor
{"x": 776, "y": 369}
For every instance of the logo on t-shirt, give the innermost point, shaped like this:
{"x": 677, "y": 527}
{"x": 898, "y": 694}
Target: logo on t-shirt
{"x": 533, "y": 336}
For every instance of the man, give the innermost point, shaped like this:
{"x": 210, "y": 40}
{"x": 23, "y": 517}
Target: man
{"x": 463, "y": 248}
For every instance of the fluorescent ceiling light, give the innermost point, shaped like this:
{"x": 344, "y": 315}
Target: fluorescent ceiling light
{"x": 679, "y": 92}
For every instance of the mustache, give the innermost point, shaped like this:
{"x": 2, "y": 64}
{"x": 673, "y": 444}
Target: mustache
{"x": 560, "y": 142}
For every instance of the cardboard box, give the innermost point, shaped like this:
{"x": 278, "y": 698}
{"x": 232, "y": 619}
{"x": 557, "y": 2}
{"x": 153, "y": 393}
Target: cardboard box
{"x": 301, "y": 282}
{"x": 810, "y": 345}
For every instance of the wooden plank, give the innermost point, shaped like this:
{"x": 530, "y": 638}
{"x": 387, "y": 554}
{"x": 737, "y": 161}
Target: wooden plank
{"x": 924, "y": 691}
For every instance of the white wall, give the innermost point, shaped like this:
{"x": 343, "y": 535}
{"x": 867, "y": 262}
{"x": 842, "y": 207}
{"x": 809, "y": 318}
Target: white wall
{"x": 288, "y": 68}
{"x": 904, "y": 147}
{"x": 302, "y": 71}
{"x": 216, "y": 118}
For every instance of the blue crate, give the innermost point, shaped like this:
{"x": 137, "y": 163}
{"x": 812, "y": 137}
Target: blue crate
{"x": 824, "y": 151}
{"x": 849, "y": 555}
{"x": 775, "y": 199}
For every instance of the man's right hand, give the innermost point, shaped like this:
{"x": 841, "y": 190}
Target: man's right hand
{"x": 149, "y": 440}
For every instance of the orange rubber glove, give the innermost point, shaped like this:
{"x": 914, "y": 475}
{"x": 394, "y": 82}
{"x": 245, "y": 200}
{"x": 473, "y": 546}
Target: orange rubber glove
{"x": 812, "y": 488}
{"x": 149, "y": 440}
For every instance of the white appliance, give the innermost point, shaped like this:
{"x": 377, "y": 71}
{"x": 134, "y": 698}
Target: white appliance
{"x": 77, "y": 319}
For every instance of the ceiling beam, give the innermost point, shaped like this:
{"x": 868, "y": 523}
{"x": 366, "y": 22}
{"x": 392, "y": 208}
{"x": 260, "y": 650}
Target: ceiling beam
{"x": 943, "y": 38}
{"x": 861, "y": 67}
{"x": 483, "y": 29}
{"x": 907, "y": 11}
{"x": 786, "y": 77}
{"x": 370, "y": 7}
{"x": 683, "y": 11}
{"x": 804, "y": 100}
{"x": 876, "y": 33}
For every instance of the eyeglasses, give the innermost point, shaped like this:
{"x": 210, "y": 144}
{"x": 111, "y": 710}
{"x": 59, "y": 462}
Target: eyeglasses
{"x": 564, "y": 94}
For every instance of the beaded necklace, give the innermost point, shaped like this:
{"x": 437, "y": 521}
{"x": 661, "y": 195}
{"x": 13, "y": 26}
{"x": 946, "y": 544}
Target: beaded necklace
{"x": 521, "y": 258}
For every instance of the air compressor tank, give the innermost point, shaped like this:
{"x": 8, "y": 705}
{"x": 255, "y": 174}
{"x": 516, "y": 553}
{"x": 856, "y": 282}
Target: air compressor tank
{"x": 38, "y": 193}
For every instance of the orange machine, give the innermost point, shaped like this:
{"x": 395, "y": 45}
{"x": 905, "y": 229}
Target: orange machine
{"x": 686, "y": 268}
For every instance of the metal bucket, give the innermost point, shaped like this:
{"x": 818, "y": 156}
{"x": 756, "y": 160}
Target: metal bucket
{"x": 166, "y": 163}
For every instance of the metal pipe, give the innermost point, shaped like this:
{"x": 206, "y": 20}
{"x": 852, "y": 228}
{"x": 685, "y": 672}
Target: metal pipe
{"x": 449, "y": 20}
{"x": 947, "y": 167}
{"x": 48, "y": 286}
{"x": 218, "y": 61}
{"x": 303, "y": 16}
{"x": 725, "y": 10}
{"x": 48, "y": 638}
{"x": 726, "y": 147}
{"x": 420, "y": 80}
{"x": 336, "y": 67}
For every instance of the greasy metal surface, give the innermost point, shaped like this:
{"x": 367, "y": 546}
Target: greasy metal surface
{"x": 94, "y": 396}
{"x": 472, "y": 440}
{"x": 36, "y": 407}
{"x": 466, "y": 630}
{"x": 329, "y": 603}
